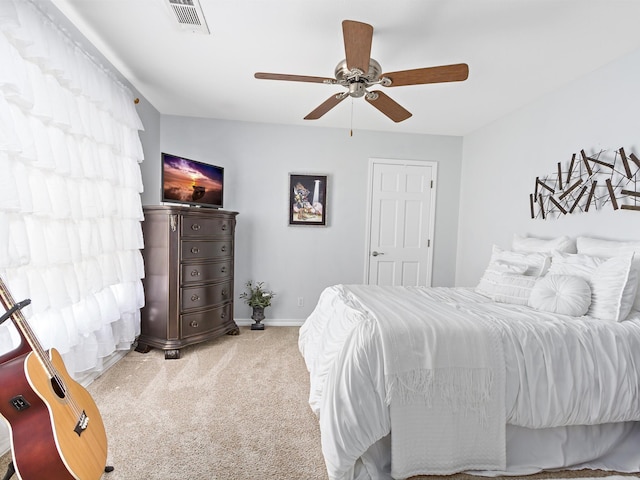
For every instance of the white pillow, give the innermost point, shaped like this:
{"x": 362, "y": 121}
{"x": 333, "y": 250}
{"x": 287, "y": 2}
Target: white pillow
{"x": 536, "y": 263}
{"x": 513, "y": 288}
{"x": 605, "y": 248}
{"x": 562, "y": 294}
{"x": 612, "y": 248}
{"x": 491, "y": 277}
{"x": 522, "y": 243}
{"x": 505, "y": 262}
{"x": 613, "y": 289}
{"x": 575, "y": 264}
{"x": 613, "y": 282}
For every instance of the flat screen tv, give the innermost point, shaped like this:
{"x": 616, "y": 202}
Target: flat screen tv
{"x": 191, "y": 182}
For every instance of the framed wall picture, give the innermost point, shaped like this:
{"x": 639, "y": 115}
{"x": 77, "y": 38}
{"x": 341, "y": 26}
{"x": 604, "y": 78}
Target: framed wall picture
{"x": 307, "y": 199}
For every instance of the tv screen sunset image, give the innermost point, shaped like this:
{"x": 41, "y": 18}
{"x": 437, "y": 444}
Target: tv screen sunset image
{"x": 193, "y": 182}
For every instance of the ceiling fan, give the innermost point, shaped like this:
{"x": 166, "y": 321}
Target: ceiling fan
{"x": 358, "y": 72}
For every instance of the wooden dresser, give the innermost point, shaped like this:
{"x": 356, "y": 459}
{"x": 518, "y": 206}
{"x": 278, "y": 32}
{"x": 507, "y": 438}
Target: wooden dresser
{"x": 188, "y": 284}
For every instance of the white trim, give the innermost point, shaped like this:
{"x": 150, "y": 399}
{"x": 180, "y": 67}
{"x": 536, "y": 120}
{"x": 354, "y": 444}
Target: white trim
{"x": 107, "y": 363}
{"x": 432, "y": 213}
{"x": 282, "y": 322}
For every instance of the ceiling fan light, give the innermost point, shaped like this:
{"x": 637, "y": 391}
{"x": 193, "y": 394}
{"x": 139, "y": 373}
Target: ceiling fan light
{"x": 357, "y": 89}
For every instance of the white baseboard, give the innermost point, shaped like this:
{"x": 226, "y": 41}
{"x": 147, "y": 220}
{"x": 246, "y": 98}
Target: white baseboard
{"x": 108, "y": 362}
{"x": 276, "y": 322}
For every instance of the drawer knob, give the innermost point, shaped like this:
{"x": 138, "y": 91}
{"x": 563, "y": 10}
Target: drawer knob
{"x": 195, "y": 273}
{"x": 195, "y": 227}
{"x": 224, "y": 248}
{"x": 222, "y": 315}
{"x": 193, "y": 324}
{"x": 224, "y": 293}
{"x": 195, "y": 298}
{"x": 195, "y": 250}
{"x": 224, "y": 226}
{"x": 223, "y": 269}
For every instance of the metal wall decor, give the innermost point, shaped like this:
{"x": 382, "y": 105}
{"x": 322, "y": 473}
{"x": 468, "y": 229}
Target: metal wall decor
{"x": 588, "y": 182}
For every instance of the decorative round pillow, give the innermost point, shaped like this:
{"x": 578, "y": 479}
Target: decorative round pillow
{"x": 564, "y": 294}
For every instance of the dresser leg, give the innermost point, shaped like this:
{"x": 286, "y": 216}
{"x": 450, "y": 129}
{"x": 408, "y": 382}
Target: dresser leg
{"x": 142, "y": 348}
{"x": 234, "y": 331}
{"x": 172, "y": 354}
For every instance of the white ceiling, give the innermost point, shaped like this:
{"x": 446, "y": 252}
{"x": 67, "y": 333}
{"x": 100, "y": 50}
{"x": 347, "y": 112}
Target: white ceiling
{"x": 517, "y": 50}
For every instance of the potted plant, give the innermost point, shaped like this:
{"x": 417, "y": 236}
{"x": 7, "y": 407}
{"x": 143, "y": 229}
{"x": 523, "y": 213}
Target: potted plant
{"x": 258, "y": 298}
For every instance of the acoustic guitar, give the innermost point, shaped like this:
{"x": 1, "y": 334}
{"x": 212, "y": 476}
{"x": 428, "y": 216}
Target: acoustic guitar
{"x": 56, "y": 429}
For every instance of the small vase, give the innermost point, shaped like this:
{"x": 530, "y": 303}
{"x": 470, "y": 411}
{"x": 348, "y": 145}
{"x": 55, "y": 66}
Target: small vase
{"x": 258, "y": 316}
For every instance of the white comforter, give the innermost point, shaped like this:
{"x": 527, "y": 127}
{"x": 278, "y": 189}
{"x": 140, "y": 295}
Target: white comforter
{"x": 559, "y": 370}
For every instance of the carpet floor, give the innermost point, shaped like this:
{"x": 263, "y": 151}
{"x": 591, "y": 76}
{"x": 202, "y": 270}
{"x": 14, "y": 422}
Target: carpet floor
{"x": 234, "y": 408}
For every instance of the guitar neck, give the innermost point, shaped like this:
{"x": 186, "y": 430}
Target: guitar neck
{"x": 28, "y": 340}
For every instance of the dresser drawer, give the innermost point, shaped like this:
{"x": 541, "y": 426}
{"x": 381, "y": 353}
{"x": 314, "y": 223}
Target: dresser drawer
{"x": 205, "y": 272}
{"x": 201, "y": 249}
{"x": 198, "y": 297}
{"x": 200, "y": 226}
{"x": 197, "y": 323}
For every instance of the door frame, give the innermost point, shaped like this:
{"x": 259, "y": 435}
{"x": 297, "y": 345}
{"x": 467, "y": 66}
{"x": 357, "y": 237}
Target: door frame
{"x": 432, "y": 213}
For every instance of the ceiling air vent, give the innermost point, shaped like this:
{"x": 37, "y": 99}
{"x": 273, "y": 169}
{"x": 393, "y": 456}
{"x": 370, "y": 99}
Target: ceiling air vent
{"x": 189, "y": 16}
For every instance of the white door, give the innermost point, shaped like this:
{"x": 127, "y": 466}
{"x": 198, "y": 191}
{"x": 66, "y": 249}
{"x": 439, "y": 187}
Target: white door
{"x": 401, "y": 222}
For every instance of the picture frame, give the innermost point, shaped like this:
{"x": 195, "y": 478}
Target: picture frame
{"x": 307, "y": 199}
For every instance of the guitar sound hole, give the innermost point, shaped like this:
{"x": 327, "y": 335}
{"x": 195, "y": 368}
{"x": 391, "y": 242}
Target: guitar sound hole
{"x": 58, "y": 387}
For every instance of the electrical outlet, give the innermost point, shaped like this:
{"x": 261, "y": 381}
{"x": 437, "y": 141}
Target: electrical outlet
{"x": 301, "y": 301}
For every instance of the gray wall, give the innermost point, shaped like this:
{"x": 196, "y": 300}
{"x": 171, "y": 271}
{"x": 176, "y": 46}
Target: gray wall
{"x": 301, "y": 261}
{"x": 502, "y": 161}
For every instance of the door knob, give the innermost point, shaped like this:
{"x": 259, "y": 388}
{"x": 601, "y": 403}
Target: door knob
{"x": 375, "y": 254}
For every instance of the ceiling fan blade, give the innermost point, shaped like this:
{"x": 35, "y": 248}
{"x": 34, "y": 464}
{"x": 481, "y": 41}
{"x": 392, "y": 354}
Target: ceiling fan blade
{"x": 293, "y": 78}
{"x": 327, "y": 105}
{"x": 357, "y": 44}
{"x": 389, "y": 107}
{"x": 419, "y": 76}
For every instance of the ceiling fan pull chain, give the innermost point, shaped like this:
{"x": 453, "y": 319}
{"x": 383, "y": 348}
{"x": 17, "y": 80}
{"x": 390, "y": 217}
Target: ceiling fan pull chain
{"x": 351, "y": 132}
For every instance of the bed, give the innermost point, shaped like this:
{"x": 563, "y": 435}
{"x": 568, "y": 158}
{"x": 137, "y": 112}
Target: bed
{"x": 534, "y": 369}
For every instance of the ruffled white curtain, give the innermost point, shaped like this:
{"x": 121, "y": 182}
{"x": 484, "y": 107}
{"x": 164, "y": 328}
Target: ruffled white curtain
{"x": 70, "y": 184}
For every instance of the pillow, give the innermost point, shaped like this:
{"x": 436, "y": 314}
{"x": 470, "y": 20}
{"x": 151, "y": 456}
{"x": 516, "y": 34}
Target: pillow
{"x": 605, "y": 248}
{"x": 504, "y": 262}
{"x": 613, "y": 282}
{"x": 513, "y": 288}
{"x": 613, "y": 289}
{"x": 532, "y": 244}
{"x": 574, "y": 264}
{"x": 562, "y": 294}
{"x": 536, "y": 264}
{"x": 612, "y": 248}
{"x": 492, "y": 276}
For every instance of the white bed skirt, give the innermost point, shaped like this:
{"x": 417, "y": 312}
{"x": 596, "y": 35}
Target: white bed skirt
{"x": 611, "y": 447}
